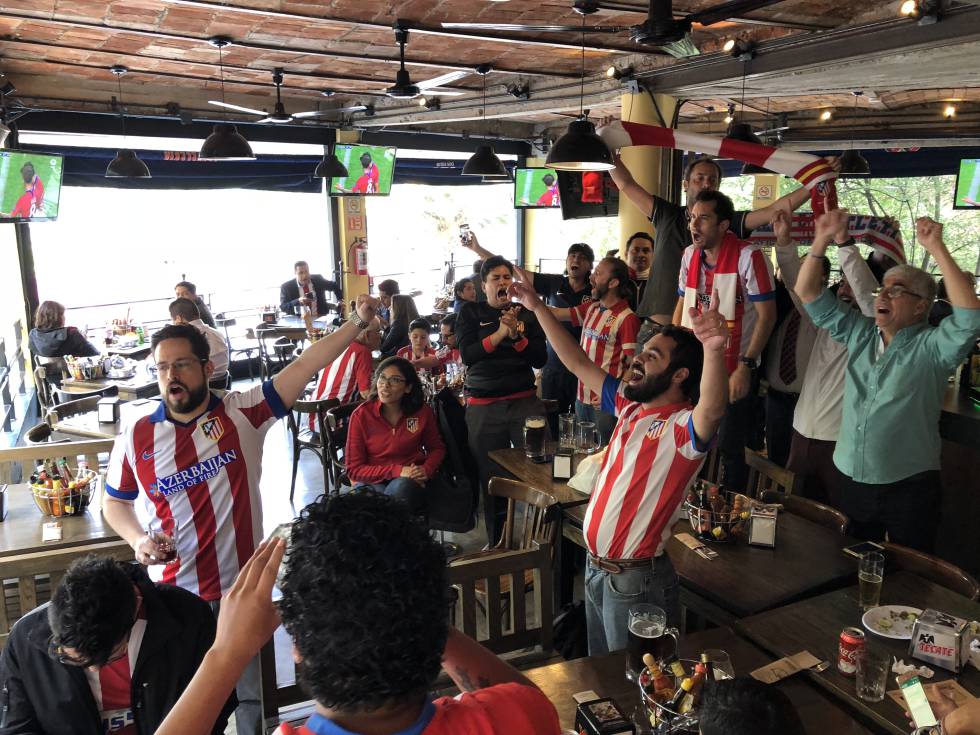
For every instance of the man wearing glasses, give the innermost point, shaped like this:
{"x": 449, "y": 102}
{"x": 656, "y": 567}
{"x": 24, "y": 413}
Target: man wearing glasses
{"x": 196, "y": 462}
{"x": 897, "y": 370}
{"x": 72, "y": 665}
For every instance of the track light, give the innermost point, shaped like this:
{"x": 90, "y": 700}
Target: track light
{"x": 521, "y": 92}
{"x": 826, "y": 115}
{"x": 909, "y": 7}
{"x": 429, "y": 103}
{"x": 740, "y": 49}
{"x": 625, "y": 73}
{"x": 950, "y": 111}
{"x": 731, "y": 114}
{"x": 729, "y": 45}
{"x": 926, "y": 11}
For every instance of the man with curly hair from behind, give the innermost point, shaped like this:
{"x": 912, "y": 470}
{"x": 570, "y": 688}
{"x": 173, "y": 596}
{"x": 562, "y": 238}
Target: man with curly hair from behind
{"x": 366, "y": 601}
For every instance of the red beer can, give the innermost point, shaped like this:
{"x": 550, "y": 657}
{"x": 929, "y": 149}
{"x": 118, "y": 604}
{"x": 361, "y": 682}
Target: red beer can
{"x": 851, "y": 645}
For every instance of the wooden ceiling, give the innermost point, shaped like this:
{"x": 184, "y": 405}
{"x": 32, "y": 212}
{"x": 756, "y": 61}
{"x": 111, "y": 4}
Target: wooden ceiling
{"x": 58, "y": 53}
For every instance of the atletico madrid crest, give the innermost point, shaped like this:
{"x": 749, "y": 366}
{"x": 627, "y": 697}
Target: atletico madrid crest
{"x": 656, "y": 429}
{"x": 213, "y": 429}
{"x": 412, "y": 424}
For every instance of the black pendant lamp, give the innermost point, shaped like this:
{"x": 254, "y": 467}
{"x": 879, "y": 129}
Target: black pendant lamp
{"x": 743, "y": 132}
{"x": 484, "y": 161}
{"x": 126, "y": 164}
{"x": 225, "y": 142}
{"x": 852, "y": 163}
{"x": 330, "y": 166}
{"x": 580, "y": 149}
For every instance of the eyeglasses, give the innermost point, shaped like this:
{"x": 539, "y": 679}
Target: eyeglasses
{"x": 893, "y": 292}
{"x": 57, "y": 652}
{"x": 177, "y": 366}
{"x": 394, "y": 380}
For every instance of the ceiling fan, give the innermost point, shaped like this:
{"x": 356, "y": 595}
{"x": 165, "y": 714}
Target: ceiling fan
{"x": 404, "y": 89}
{"x": 279, "y": 115}
{"x": 661, "y": 30}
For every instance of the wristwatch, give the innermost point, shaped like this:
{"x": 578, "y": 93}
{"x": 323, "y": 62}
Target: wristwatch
{"x": 750, "y": 362}
{"x": 357, "y": 321}
{"x": 847, "y": 243}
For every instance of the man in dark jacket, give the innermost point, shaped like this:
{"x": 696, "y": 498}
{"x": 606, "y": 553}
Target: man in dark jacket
{"x": 307, "y": 290}
{"x": 110, "y": 653}
{"x": 51, "y": 338}
{"x": 500, "y": 342}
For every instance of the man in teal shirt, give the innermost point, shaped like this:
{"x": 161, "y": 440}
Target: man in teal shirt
{"x": 897, "y": 370}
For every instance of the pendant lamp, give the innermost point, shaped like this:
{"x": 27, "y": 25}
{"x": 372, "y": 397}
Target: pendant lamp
{"x": 484, "y": 161}
{"x": 852, "y": 163}
{"x": 225, "y": 142}
{"x": 330, "y": 166}
{"x": 126, "y": 164}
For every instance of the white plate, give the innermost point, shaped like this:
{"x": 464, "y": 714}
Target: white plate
{"x": 888, "y": 621}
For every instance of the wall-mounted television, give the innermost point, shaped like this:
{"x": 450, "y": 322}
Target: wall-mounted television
{"x": 370, "y": 170}
{"x": 967, "y": 194}
{"x": 30, "y": 185}
{"x": 587, "y": 194}
{"x": 536, "y": 188}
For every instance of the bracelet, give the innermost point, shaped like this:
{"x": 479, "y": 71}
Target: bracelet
{"x": 847, "y": 243}
{"x": 812, "y": 255}
{"x": 357, "y": 321}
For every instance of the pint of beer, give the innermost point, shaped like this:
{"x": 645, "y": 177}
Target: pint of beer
{"x": 535, "y": 437}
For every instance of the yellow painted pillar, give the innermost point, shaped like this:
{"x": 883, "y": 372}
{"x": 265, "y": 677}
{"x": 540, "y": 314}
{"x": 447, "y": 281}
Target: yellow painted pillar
{"x": 352, "y": 213}
{"x": 536, "y": 226}
{"x": 644, "y": 162}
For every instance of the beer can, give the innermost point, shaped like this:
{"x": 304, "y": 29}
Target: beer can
{"x": 851, "y": 646}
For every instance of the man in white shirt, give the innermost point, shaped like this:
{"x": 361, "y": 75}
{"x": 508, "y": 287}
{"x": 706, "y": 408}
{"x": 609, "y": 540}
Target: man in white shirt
{"x": 185, "y": 311}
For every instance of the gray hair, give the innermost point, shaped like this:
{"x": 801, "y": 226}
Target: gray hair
{"x": 916, "y": 279}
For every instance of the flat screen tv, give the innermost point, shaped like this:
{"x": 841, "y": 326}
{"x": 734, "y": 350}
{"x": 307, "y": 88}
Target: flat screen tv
{"x": 370, "y": 170}
{"x": 587, "y": 194}
{"x": 967, "y": 195}
{"x": 30, "y": 185}
{"x": 536, "y": 188}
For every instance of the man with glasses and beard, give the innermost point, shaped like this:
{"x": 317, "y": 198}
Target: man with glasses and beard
{"x": 657, "y": 447}
{"x": 73, "y": 664}
{"x": 194, "y": 466}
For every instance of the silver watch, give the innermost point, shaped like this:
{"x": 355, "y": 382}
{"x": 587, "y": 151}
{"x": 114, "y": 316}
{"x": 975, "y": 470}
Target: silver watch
{"x": 357, "y": 321}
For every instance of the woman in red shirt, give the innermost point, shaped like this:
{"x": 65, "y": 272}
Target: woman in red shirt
{"x": 393, "y": 441}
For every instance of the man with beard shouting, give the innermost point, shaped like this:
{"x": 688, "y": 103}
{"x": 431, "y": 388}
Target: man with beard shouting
{"x": 183, "y": 481}
{"x": 657, "y": 447}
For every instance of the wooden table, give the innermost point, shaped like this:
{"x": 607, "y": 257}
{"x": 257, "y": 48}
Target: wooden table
{"x": 605, "y": 675}
{"x": 137, "y": 352}
{"x": 815, "y": 625}
{"x": 515, "y": 462}
{"x": 139, "y": 386}
{"x": 20, "y": 533}
{"x": 87, "y": 424}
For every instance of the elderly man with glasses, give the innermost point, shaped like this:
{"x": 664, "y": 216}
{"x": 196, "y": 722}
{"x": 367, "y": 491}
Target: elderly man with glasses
{"x": 110, "y": 653}
{"x": 897, "y": 370}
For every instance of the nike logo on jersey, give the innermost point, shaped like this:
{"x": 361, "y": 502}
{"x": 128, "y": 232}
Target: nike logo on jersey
{"x": 147, "y": 456}
{"x": 485, "y": 324}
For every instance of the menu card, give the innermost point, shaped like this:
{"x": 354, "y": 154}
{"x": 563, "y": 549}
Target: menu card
{"x": 777, "y": 670}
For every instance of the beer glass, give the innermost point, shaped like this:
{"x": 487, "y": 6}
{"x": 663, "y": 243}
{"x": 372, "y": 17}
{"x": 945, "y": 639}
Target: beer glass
{"x": 872, "y": 674}
{"x": 871, "y": 571}
{"x": 647, "y": 632}
{"x": 566, "y": 431}
{"x": 721, "y": 662}
{"x": 167, "y": 543}
{"x": 588, "y": 437}
{"x": 535, "y": 437}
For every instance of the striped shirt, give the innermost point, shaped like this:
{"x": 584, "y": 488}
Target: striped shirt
{"x": 203, "y": 475}
{"x": 608, "y": 338}
{"x": 346, "y": 376}
{"x": 652, "y": 458}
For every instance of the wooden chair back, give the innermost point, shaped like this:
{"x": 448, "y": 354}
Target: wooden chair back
{"x": 30, "y": 579}
{"x": 486, "y": 572}
{"x": 45, "y": 393}
{"x": 63, "y": 396}
{"x": 825, "y": 515}
{"x": 338, "y": 420}
{"x": 711, "y": 469}
{"x": 71, "y": 408}
{"x": 26, "y": 458}
{"x": 936, "y": 570}
{"x": 538, "y": 510}
{"x": 766, "y": 475}
{"x": 296, "y": 420}
{"x": 42, "y": 434}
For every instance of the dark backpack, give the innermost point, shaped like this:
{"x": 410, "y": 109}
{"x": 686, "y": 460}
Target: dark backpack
{"x": 454, "y": 496}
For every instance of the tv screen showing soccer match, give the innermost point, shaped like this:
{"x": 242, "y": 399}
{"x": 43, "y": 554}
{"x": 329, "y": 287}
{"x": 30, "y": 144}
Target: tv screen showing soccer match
{"x": 30, "y": 185}
{"x": 536, "y": 188}
{"x": 587, "y": 194}
{"x": 370, "y": 170}
{"x": 967, "y": 194}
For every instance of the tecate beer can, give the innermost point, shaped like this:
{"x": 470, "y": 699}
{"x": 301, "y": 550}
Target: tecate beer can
{"x": 851, "y": 645}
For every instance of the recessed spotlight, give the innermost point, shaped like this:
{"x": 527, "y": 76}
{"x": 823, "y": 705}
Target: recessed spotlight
{"x": 909, "y": 7}
{"x": 826, "y": 115}
{"x": 728, "y": 119}
{"x": 423, "y": 101}
{"x": 729, "y": 45}
{"x": 950, "y": 111}
{"x": 611, "y": 72}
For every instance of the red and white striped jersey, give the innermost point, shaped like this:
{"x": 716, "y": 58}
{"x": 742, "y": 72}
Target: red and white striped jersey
{"x": 407, "y": 353}
{"x": 608, "y": 337}
{"x": 345, "y": 377}
{"x": 750, "y": 281}
{"x": 205, "y": 476}
{"x": 112, "y": 686}
{"x": 652, "y": 458}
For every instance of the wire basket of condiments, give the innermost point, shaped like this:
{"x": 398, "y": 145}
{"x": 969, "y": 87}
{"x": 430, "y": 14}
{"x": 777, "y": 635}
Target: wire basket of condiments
{"x": 60, "y": 491}
{"x": 672, "y": 691}
{"x": 716, "y": 514}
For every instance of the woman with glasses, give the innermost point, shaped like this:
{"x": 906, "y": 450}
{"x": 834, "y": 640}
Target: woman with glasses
{"x": 393, "y": 441}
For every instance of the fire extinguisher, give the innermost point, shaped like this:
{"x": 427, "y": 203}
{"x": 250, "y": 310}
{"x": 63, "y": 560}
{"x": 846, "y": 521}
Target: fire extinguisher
{"x": 359, "y": 257}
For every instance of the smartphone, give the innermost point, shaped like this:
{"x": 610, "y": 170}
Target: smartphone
{"x": 464, "y": 232}
{"x": 916, "y": 701}
{"x": 859, "y": 550}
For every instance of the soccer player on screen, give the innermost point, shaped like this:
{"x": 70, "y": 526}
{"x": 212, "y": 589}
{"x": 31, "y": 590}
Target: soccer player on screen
{"x": 31, "y": 202}
{"x": 550, "y": 198}
{"x": 973, "y": 191}
{"x": 368, "y": 182}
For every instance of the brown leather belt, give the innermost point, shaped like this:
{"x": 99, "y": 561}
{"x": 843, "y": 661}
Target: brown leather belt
{"x": 618, "y": 566}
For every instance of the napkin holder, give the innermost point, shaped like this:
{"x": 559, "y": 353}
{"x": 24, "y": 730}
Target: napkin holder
{"x": 107, "y": 410}
{"x": 600, "y": 716}
{"x": 561, "y": 464}
{"x": 762, "y": 526}
{"x": 941, "y": 640}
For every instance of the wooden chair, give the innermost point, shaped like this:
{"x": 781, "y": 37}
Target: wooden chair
{"x": 303, "y": 438}
{"x": 30, "y": 579}
{"x": 71, "y": 408}
{"x": 539, "y": 512}
{"x": 493, "y": 573}
{"x": 25, "y": 459}
{"x": 338, "y": 419}
{"x": 825, "y": 515}
{"x": 711, "y": 469}
{"x": 249, "y": 350}
{"x": 43, "y": 434}
{"x": 766, "y": 475}
{"x": 932, "y": 568}
{"x": 63, "y": 396}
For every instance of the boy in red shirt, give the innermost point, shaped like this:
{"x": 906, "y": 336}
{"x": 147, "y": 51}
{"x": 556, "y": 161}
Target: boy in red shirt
{"x": 420, "y": 348}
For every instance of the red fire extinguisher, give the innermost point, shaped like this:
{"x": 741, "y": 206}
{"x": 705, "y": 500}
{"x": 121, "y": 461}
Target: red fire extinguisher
{"x": 359, "y": 257}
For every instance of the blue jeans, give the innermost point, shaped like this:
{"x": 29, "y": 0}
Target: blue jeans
{"x": 604, "y": 422}
{"x": 608, "y": 598}
{"x": 404, "y": 489}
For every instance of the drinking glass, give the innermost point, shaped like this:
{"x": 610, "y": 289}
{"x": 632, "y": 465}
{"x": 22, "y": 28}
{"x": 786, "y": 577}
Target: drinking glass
{"x": 535, "y": 438}
{"x": 167, "y": 543}
{"x": 566, "y": 431}
{"x": 872, "y": 674}
{"x": 871, "y": 571}
{"x": 721, "y": 662}
{"x": 588, "y": 437}
{"x": 647, "y": 632}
